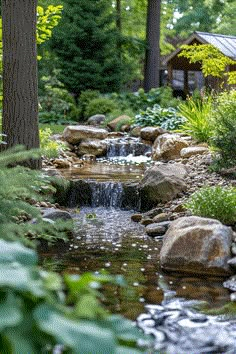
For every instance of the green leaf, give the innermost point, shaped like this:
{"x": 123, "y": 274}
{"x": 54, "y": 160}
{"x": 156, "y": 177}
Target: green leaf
{"x": 18, "y": 277}
{"x": 16, "y": 252}
{"x": 127, "y": 350}
{"x": 83, "y": 336}
{"x": 10, "y": 313}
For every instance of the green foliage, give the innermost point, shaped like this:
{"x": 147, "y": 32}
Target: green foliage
{"x": 224, "y": 128}
{"x": 47, "y": 19}
{"x": 55, "y": 128}
{"x": 197, "y": 115}
{"x": 86, "y": 45}
{"x": 213, "y": 62}
{"x": 35, "y": 315}
{"x": 85, "y": 98}
{"x": 50, "y": 148}
{"x": 141, "y": 100}
{"x": 214, "y": 202}
{"x": 166, "y": 118}
{"x": 100, "y": 105}
{"x": 18, "y": 187}
{"x": 57, "y": 105}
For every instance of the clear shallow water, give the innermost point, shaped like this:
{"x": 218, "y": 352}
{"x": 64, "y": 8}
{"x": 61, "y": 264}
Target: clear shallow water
{"x": 104, "y": 170}
{"x": 108, "y": 239}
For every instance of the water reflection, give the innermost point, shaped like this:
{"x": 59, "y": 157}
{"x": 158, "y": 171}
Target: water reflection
{"x": 108, "y": 239}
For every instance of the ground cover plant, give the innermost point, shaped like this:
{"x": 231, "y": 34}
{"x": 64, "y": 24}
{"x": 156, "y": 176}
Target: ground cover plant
{"x": 49, "y": 147}
{"x": 166, "y": 118}
{"x": 214, "y": 202}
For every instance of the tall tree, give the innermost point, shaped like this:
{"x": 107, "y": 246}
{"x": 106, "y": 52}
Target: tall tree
{"x": 152, "y": 60}
{"x": 86, "y": 45}
{"x": 20, "y": 86}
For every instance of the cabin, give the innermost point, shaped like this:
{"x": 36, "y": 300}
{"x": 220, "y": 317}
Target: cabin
{"x": 185, "y": 77}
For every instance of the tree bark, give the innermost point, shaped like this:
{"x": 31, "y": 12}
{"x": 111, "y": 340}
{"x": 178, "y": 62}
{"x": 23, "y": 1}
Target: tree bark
{"x": 20, "y": 82}
{"x": 152, "y": 60}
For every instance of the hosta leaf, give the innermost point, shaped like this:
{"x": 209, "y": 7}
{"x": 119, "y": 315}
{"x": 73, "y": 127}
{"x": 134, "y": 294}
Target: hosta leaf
{"x": 16, "y": 252}
{"x": 10, "y": 313}
{"x": 82, "y": 337}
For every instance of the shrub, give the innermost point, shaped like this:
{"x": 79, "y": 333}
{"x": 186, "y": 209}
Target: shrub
{"x": 57, "y": 105}
{"x": 224, "y": 132}
{"x": 35, "y": 316}
{"x": 85, "y": 98}
{"x": 214, "y": 202}
{"x": 100, "y": 105}
{"x": 166, "y": 118}
{"x": 197, "y": 118}
{"x": 50, "y": 148}
{"x": 142, "y": 100}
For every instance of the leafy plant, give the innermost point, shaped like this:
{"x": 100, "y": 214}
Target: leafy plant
{"x": 142, "y": 100}
{"x": 19, "y": 187}
{"x": 224, "y": 129}
{"x": 100, "y": 105}
{"x": 214, "y": 202}
{"x": 167, "y": 118}
{"x": 36, "y": 313}
{"x": 197, "y": 118}
{"x": 50, "y": 148}
{"x": 213, "y": 62}
{"x": 57, "y": 105}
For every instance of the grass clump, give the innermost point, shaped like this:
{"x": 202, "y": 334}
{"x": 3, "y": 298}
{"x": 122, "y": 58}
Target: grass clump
{"x": 214, "y": 202}
{"x": 197, "y": 115}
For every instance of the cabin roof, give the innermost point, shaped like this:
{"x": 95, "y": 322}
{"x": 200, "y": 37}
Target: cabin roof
{"x": 225, "y": 44}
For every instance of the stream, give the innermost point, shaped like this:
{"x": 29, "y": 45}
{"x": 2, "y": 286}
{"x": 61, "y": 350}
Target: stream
{"x": 107, "y": 239}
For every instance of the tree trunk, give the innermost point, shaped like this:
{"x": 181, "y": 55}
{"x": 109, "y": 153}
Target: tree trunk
{"x": 20, "y": 83}
{"x": 152, "y": 61}
{"x": 118, "y": 15}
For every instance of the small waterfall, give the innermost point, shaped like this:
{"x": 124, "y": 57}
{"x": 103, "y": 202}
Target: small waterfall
{"x": 126, "y": 146}
{"x": 107, "y": 194}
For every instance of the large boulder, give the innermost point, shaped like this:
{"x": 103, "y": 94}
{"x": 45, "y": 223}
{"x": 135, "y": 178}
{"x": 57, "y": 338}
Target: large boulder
{"x": 113, "y": 124}
{"x": 74, "y": 134}
{"x": 151, "y": 133}
{"x": 197, "y": 245}
{"x": 162, "y": 183}
{"x": 168, "y": 146}
{"x": 94, "y": 147}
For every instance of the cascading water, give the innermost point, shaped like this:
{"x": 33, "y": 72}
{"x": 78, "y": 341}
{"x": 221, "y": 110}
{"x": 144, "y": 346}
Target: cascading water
{"x": 106, "y": 194}
{"x": 126, "y": 146}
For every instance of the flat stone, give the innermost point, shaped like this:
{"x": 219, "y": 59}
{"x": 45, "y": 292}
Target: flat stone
{"x": 74, "y": 134}
{"x": 136, "y": 217}
{"x": 157, "y": 229}
{"x": 193, "y": 150}
{"x": 161, "y": 217}
{"x": 146, "y": 221}
{"x": 54, "y": 214}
